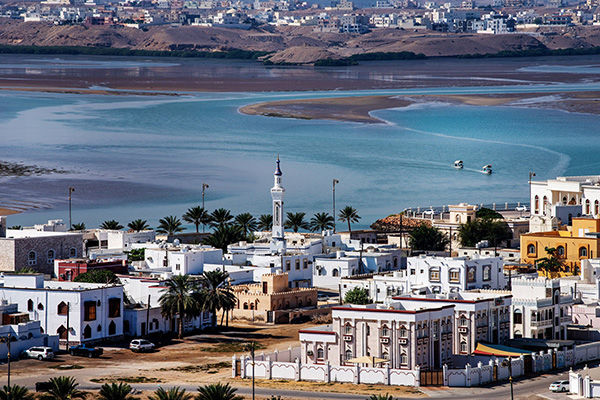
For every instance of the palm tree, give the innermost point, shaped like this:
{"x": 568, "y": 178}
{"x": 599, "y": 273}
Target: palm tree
{"x": 321, "y": 222}
{"x": 220, "y": 217}
{"x": 181, "y": 298}
{"x": 78, "y": 227}
{"x": 265, "y": 222}
{"x": 63, "y": 388}
{"x": 381, "y": 397}
{"x": 247, "y": 222}
{"x": 217, "y": 391}
{"x": 138, "y": 225}
{"x": 112, "y": 225}
{"x": 197, "y": 216}
{"x": 349, "y": 215}
{"x": 296, "y": 221}
{"x": 223, "y": 236}
{"x": 115, "y": 391}
{"x": 169, "y": 225}
{"x": 15, "y": 392}
{"x": 174, "y": 393}
{"x": 217, "y": 293}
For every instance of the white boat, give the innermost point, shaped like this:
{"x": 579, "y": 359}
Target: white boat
{"x": 458, "y": 164}
{"x": 487, "y": 169}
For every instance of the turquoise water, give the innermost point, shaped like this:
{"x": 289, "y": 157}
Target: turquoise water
{"x": 146, "y": 157}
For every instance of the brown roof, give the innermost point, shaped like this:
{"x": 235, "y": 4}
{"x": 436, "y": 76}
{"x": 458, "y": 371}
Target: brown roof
{"x": 395, "y": 222}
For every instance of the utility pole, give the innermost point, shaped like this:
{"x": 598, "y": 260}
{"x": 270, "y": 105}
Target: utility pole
{"x": 71, "y": 190}
{"x": 531, "y": 175}
{"x": 335, "y": 181}
{"x": 68, "y": 312}
{"x": 7, "y": 340}
{"x": 508, "y": 363}
{"x": 148, "y": 317}
{"x": 204, "y": 187}
{"x": 252, "y": 347}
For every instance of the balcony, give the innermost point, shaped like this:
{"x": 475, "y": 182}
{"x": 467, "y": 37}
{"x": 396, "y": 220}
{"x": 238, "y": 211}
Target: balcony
{"x": 546, "y": 322}
{"x": 566, "y": 319}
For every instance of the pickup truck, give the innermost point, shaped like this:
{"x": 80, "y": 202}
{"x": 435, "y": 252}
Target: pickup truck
{"x": 85, "y": 351}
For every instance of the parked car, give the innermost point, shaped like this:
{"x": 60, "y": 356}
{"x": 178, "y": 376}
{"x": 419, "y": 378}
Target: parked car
{"x": 41, "y": 353}
{"x": 559, "y": 386}
{"x": 521, "y": 208}
{"x": 141, "y": 345}
{"x": 85, "y": 351}
{"x": 43, "y": 386}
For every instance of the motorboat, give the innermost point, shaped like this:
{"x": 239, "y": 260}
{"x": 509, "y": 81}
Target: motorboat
{"x": 487, "y": 169}
{"x": 458, "y": 164}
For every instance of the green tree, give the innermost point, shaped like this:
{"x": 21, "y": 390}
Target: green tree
{"x": 223, "y": 236}
{"x": 138, "y": 225}
{"x": 15, "y": 392}
{"x": 495, "y": 231}
{"x": 321, "y": 222}
{"x": 488, "y": 213}
{"x": 115, "y": 391}
{"x": 169, "y": 225}
{"x": 136, "y": 255}
{"x": 217, "y": 391}
{"x": 27, "y": 270}
{"x": 78, "y": 227}
{"x": 295, "y": 221}
{"x": 552, "y": 263}
{"x": 111, "y": 224}
{"x": 217, "y": 293}
{"x": 63, "y": 388}
{"x": 246, "y": 222}
{"x": 181, "y": 298}
{"x": 16, "y": 227}
{"x": 220, "y": 217}
{"x": 425, "y": 237}
{"x": 350, "y": 215}
{"x": 265, "y": 222}
{"x": 174, "y": 393}
{"x": 357, "y": 295}
{"x": 97, "y": 276}
{"x": 381, "y": 397}
{"x": 197, "y": 216}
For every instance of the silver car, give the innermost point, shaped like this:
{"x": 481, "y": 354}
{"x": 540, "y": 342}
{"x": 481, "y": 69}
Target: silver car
{"x": 40, "y": 352}
{"x": 559, "y": 386}
{"x": 141, "y": 345}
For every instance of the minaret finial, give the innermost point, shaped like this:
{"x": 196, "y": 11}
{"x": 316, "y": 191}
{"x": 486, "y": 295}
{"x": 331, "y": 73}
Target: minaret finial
{"x": 277, "y": 168}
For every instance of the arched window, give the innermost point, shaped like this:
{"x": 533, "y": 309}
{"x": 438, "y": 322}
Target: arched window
{"x": 62, "y": 332}
{"x": 245, "y": 306}
{"x": 335, "y": 272}
{"x": 99, "y": 328}
{"x": 395, "y": 262}
{"x": 582, "y": 252}
{"x": 403, "y": 359}
{"x": 62, "y": 308}
{"x": 517, "y": 317}
{"x": 87, "y": 332}
{"x": 32, "y": 258}
{"x": 463, "y": 347}
{"x": 564, "y": 200}
{"x": 126, "y": 326}
{"x": 348, "y": 355}
{"x": 72, "y": 252}
{"x": 348, "y": 329}
{"x": 596, "y": 207}
{"x": 530, "y": 249}
{"x": 385, "y": 331}
{"x": 40, "y": 307}
{"x": 51, "y": 256}
{"x": 587, "y": 206}
{"x": 463, "y": 321}
{"x": 536, "y": 204}
{"x": 320, "y": 354}
{"x": 112, "y": 328}
{"x": 29, "y": 305}
{"x": 560, "y": 250}
{"x": 385, "y": 355}
{"x": 544, "y": 205}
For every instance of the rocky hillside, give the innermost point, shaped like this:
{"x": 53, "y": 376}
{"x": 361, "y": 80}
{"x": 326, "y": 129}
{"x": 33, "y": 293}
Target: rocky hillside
{"x": 294, "y": 44}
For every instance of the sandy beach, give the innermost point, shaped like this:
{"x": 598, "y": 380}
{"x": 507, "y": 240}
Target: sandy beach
{"x": 7, "y": 211}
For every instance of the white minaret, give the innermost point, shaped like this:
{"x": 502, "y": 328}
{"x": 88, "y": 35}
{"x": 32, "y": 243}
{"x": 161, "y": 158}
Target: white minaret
{"x": 277, "y": 192}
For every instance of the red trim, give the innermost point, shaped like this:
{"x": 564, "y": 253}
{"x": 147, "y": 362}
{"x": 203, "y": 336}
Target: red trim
{"x": 390, "y": 311}
{"x": 319, "y": 332}
{"x": 446, "y": 300}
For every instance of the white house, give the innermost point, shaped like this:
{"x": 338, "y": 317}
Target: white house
{"x": 87, "y": 311}
{"x": 180, "y": 259}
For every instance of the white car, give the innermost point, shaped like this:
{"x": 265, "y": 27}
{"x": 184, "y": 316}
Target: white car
{"x": 41, "y": 353}
{"x": 559, "y": 386}
{"x": 141, "y": 345}
{"x": 521, "y": 208}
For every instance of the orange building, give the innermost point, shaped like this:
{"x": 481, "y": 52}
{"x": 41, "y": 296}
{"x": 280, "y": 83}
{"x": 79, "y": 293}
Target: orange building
{"x": 579, "y": 241}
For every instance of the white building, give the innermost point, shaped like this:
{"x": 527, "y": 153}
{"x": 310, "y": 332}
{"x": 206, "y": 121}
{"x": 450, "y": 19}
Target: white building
{"x": 539, "y": 310}
{"x": 180, "y": 259}
{"x": 88, "y": 312}
{"x": 404, "y": 333}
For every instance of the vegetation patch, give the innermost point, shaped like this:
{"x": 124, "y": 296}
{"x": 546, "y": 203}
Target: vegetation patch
{"x": 210, "y": 368}
{"x": 231, "y": 347}
{"x": 127, "y": 379}
{"x": 66, "y": 366}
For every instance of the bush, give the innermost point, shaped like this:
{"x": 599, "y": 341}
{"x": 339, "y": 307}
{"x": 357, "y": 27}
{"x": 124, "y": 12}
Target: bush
{"x": 357, "y": 296}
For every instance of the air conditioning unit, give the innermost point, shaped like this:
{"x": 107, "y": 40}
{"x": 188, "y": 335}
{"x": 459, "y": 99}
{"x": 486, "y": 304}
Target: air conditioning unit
{"x": 403, "y": 341}
{"x": 347, "y": 338}
{"x": 463, "y": 330}
{"x": 384, "y": 340}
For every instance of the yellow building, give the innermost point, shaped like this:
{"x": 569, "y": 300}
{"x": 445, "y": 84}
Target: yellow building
{"x": 579, "y": 241}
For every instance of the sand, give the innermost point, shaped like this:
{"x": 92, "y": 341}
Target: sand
{"x": 7, "y": 211}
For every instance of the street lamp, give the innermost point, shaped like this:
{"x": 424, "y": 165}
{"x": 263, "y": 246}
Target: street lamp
{"x": 252, "y": 347}
{"x": 71, "y": 190}
{"x": 531, "y": 175}
{"x": 204, "y": 187}
{"x": 335, "y": 181}
{"x": 508, "y": 363}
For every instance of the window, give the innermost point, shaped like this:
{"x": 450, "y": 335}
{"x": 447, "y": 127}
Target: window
{"x": 287, "y": 265}
{"x": 403, "y": 332}
{"x": 582, "y": 252}
{"x": 536, "y": 204}
{"x": 335, "y": 272}
{"x": 114, "y": 307}
{"x": 530, "y": 249}
{"x": 29, "y": 305}
{"x": 112, "y": 328}
{"x": 89, "y": 311}
{"x": 126, "y": 326}
{"x": 40, "y": 307}
{"x": 587, "y": 206}
{"x": 62, "y": 332}
{"x": 596, "y": 207}
{"x": 434, "y": 275}
{"x": 320, "y": 354}
{"x": 560, "y": 250}
{"x": 177, "y": 267}
{"x": 297, "y": 264}
{"x": 471, "y": 274}
{"x": 87, "y": 332}
{"x": 348, "y": 329}
{"x": 403, "y": 359}
{"x": 73, "y": 252}
{"x": 463, "y": 347}
{"x": 487, "y": 272}
{"x": 385, "y": 355}
{"x": 62, "y": 308}
{"x": 463, "y": 320}
{"x": 454, "y": 275}
{"x": 51, "y": 256}
{"x": 348, "y": 355}
{"x": 305, "y": 264}
{"x": 32, "y": 258}
{"x": 385, "y": 331}
{"x": 517, "y": 317}
{"x": 99, "y": 328}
